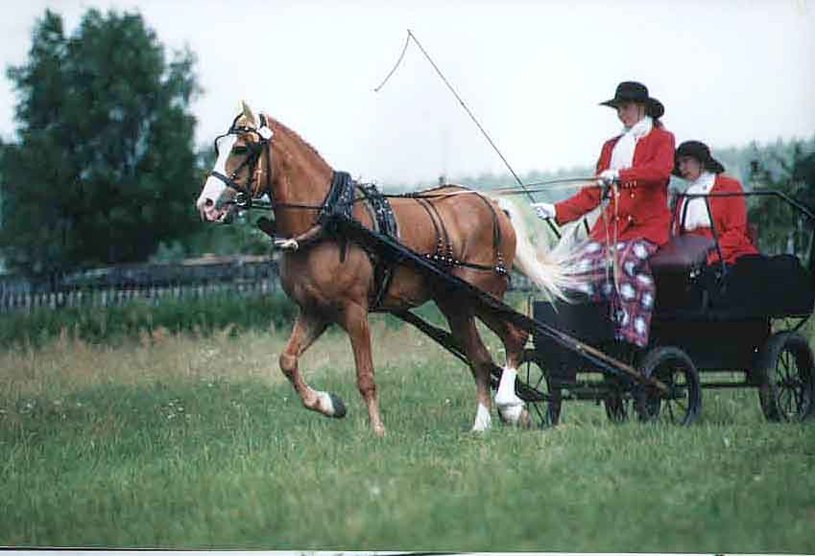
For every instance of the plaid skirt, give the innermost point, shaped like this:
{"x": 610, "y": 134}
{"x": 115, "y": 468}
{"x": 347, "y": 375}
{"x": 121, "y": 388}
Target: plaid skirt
{"x": 629, "y": 288}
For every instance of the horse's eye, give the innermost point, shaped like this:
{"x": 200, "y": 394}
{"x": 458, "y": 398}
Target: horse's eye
{"x": 240, "y": 149}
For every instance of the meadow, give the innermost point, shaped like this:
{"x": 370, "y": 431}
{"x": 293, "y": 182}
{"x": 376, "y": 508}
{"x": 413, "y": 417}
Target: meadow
{"x": 197, "y": 441}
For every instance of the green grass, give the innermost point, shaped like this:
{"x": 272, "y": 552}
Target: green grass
{"x": 200, "y": 443}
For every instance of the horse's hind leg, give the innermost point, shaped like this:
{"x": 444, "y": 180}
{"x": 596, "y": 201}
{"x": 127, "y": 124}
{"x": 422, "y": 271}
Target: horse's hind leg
{"x": 354, "y": 320}
{"x": 462, "y": 325}
{"x": 307, "y": 328}
{"x": 510, "y": 406}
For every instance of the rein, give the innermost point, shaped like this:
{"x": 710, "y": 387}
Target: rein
{"x": 341, "y": 198}
{"x": 542, "y": 186}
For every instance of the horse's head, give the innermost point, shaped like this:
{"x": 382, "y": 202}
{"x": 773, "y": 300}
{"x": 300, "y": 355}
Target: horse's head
{"x": 242, "y": 169}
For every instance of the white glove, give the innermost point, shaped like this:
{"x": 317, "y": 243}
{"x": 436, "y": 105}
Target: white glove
{"x": 608, "y": 177}
{"x": 544, "y": 210}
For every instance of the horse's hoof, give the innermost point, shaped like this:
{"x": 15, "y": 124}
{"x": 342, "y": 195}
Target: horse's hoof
{"x": 512, "y": 414}
{"x": 339, "y": 407}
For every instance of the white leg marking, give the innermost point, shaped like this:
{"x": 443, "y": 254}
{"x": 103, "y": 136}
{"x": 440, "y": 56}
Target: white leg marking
{"x": 483, "y": 421}
{"x": 326, "y": 405}
{"x": 509, "y": 404}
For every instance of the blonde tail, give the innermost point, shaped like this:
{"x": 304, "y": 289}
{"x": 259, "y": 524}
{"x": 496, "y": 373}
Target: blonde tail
{"x": 550, "y": 270}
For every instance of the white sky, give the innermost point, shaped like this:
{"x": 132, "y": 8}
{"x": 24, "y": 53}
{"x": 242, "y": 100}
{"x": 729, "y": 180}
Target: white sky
{"x": 533, "y": 72}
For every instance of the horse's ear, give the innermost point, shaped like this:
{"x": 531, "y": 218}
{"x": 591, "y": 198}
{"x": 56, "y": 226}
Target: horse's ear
{"x": 248, "y": 112}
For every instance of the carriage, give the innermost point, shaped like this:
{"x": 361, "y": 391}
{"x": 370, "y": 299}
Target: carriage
{"x": 713, "y": 327}
{"x": 345, "y": 256}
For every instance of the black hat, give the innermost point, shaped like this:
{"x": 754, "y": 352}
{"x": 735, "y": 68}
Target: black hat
{"x": 631, "y": 91}
{"x": 699, "y": 151}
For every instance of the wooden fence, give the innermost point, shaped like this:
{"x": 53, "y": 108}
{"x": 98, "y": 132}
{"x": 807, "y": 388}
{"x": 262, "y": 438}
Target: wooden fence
{"x": 104, "y": 287}
{"x": 244, "y": 276}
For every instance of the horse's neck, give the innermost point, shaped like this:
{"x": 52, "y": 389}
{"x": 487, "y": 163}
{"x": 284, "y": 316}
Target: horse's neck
{"x": 303, "y": 178}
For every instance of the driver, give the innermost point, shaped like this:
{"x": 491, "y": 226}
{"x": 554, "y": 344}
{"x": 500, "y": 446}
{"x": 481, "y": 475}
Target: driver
{"x": 632, "y": 181}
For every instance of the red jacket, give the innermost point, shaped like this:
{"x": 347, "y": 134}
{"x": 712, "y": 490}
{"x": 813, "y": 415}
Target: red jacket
{"x": 729, "y": 219}
{"x": 640, "y": 211}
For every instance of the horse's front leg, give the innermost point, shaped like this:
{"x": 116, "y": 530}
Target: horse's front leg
{"x": 307, "y": 328}
{"x": 355, "y": 323}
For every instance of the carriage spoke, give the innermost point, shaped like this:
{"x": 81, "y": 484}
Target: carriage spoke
{"x": 670, "y": 412}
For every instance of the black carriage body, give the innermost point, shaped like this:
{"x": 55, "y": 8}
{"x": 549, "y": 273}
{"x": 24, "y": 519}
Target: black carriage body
{"x": 721, "y": 324}
{"x": 741, "y": 320}
{"x": 714, "y": 343}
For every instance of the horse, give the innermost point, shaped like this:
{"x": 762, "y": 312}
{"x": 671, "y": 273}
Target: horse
{"x": 336, "y": 281}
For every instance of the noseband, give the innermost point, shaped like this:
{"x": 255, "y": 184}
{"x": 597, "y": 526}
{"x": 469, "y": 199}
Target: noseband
{"x": 252, "y": 188}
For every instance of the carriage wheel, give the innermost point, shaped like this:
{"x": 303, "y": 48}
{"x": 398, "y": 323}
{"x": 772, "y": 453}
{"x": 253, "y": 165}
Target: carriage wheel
{"x": 616, "y": 405}
{"x": 617, "y": 398}
{"x": 785, "y": 365}
{"x": 683, "y": 401}
{"x": 543, "y": 402}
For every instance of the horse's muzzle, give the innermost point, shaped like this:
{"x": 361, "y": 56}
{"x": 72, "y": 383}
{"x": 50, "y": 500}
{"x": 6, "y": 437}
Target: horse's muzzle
{"x": 217, "y": 205}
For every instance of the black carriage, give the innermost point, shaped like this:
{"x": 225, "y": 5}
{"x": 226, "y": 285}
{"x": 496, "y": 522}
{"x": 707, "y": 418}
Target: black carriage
{"x": 712, "y": 327}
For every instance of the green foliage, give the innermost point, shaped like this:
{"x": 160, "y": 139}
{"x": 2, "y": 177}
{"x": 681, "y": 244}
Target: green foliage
{"x": 103, "y": 168}
{"x": 115, "y": 324}
{"x": 789, "y": 168}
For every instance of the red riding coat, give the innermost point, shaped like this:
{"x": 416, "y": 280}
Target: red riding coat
{"x": 640, "y": 211}
{"x": 729, "y": 216}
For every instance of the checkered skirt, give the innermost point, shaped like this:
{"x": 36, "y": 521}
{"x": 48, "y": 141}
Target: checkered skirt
{"x": 629, "y": 287}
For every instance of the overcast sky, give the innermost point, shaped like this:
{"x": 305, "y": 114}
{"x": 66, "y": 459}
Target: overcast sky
{"x": 533, "y": 72}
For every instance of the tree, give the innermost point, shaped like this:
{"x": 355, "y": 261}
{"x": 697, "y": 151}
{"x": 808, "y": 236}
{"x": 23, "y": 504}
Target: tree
{"x": 104, "y": 168}
{"x": 789, "y": 168}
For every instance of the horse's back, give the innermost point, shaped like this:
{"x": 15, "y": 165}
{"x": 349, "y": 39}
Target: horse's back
{"x": 463, "y": 225}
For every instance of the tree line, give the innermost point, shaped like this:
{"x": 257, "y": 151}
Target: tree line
{"x": 103, "y": 169}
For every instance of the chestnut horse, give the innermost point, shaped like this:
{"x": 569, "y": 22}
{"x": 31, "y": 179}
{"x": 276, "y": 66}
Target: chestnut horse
{"x": 333, "y": 281}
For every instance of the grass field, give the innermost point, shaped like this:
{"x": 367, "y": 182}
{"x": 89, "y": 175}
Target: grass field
{"x": 185, "y": 442}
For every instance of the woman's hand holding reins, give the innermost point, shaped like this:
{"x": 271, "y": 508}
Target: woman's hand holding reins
{"x": 544, "y": 210}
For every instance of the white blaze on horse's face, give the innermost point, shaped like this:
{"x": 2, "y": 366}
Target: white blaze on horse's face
{"x": 210, "y": 203}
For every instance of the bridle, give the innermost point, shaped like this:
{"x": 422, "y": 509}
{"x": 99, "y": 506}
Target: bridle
{"x": 252, "y": 189}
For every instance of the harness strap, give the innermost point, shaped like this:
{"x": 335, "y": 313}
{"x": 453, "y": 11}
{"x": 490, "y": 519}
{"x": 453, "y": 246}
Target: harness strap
{"x": 338, "y": 204}
{"x": 500, "y": 266}
{"x": 384, "y": 221}
{"x": 339, "y": 201}
{"x": 443, "y": 252}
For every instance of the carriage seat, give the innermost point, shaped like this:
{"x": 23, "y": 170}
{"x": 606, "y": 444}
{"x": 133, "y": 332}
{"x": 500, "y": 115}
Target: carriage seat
{"x": 676, "y": 267}
{"x": 682, "y": 253}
